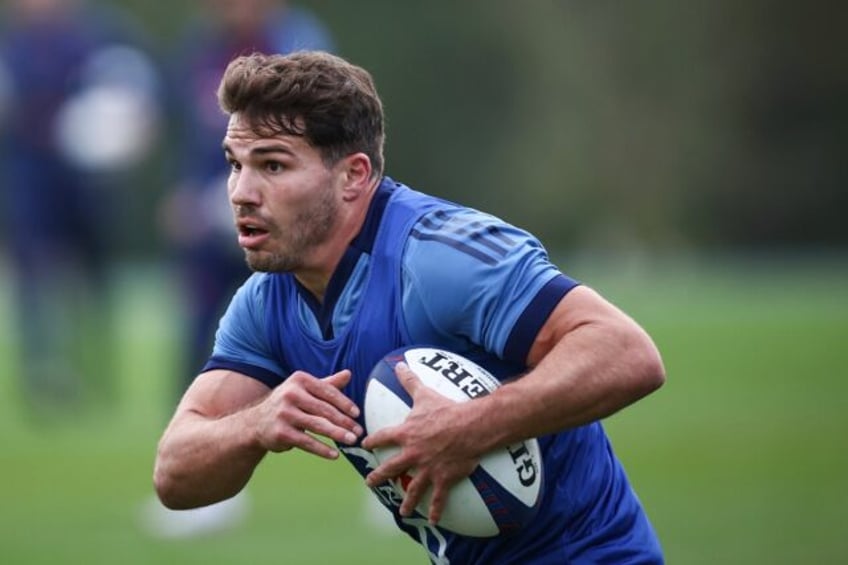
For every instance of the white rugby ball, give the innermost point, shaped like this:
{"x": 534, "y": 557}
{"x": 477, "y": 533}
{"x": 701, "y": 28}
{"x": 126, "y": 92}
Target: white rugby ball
{"x": 502, "y": 494}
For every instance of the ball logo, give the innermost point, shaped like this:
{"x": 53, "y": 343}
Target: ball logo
{"x": 525, "y": 466}
{"x": 455, "y": 373}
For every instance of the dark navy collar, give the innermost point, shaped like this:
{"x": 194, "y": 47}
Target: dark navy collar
{"x": 362, "y": 243}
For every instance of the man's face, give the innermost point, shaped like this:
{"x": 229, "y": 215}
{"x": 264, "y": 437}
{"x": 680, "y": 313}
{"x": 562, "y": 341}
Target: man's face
{"x": 284, "y": 198}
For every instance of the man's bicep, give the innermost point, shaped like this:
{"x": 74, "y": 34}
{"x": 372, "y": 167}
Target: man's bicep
{"x": 218, "y": 392}
{"x": 580, "y": 306}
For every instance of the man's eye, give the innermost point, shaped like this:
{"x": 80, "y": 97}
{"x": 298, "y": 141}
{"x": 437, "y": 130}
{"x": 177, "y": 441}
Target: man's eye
{"x": 234, "y": 165}
{"x": 274, "y": 166}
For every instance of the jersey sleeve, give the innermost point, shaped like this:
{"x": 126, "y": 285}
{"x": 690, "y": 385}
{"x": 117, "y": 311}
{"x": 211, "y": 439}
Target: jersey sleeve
{"x": 471, "y": 279}
{"x": 241, "y": 342}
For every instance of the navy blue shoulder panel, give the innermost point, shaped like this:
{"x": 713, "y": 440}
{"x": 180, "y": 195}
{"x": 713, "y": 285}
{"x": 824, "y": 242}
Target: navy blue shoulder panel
{"x": 266, "y": 377}
{"x": 534, "y": 317}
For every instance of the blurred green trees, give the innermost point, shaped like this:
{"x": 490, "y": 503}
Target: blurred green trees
{"x": 610, "y": 125}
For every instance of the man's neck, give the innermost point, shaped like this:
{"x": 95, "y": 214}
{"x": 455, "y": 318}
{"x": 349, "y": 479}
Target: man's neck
{"x": 328, "y": 256}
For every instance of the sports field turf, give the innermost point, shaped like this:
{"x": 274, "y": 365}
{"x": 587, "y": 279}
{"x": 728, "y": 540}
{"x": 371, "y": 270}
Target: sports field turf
{"x": 740, "y": 459}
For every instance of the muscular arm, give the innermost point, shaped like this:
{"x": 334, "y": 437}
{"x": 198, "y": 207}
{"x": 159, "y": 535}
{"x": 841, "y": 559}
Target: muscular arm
{"x": 588, "y": 361}
{"x": 227, "y": 422}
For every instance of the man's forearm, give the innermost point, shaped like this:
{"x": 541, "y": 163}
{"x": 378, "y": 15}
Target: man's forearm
{"x": 592, "y": 373}
{"x": 201, "y": 460}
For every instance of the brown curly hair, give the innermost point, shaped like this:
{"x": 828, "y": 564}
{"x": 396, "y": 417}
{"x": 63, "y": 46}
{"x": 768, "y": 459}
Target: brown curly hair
{"x": 332, "y": 103}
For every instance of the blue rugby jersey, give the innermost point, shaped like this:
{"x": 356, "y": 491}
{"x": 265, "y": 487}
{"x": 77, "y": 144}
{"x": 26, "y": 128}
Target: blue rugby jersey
{"x": 427, "y": 271}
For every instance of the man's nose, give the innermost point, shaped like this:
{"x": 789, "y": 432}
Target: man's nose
{"x": 244, "y": 190}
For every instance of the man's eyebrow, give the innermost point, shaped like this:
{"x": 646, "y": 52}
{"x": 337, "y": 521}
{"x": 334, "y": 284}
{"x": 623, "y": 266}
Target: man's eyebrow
{"x": 261, "y": 150}
{"x": 266, "y": 149}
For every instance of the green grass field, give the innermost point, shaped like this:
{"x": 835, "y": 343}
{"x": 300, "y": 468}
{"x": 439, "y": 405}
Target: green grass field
{"x": 741, "y": 458}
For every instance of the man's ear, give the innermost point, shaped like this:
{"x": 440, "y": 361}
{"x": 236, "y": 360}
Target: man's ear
{"x": 356, "y": 169}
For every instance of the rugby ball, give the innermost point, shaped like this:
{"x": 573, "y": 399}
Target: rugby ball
{"x": 502, "y": 494}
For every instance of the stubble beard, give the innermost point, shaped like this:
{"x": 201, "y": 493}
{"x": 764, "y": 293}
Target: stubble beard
{"x": 311, "y": 228}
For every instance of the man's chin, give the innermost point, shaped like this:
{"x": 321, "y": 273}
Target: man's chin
{"x": 255, "y": 261}
{"x": 265, "y": 263}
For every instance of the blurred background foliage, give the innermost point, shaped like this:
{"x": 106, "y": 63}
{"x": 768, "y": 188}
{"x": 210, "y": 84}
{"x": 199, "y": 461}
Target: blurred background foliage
{"x": 605, "y": 125}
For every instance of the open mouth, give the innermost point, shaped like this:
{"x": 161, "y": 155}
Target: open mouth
{"x": 251, "y": 235}
{"x": 250, "y": 231}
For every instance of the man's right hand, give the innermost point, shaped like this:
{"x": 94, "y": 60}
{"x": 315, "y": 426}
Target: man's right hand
{"x": 304, "y": 406}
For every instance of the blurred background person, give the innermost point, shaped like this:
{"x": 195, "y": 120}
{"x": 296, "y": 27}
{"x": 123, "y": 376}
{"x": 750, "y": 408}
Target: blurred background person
{"x": 78, "y": 113}
{"x": 196, "y": 217}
